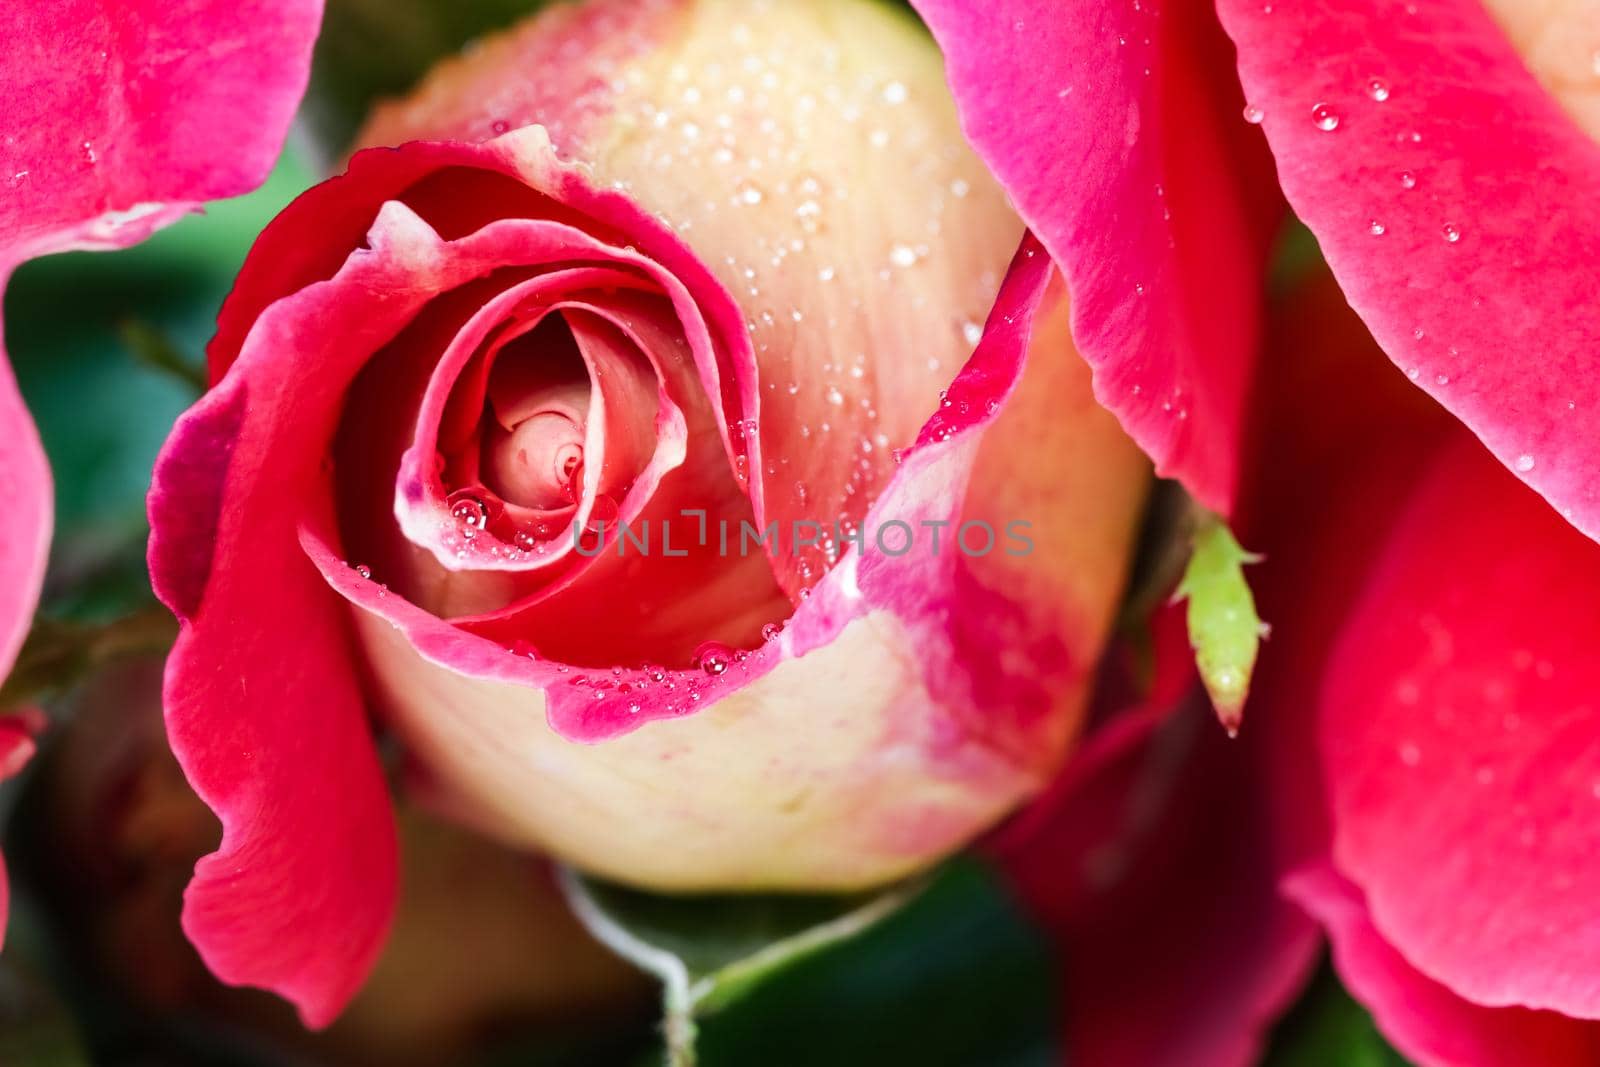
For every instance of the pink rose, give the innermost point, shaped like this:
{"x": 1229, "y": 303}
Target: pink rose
{"x": 702, "y": 276}
{"x": 1419, "y": 769}
{"x": 120, "y": 119}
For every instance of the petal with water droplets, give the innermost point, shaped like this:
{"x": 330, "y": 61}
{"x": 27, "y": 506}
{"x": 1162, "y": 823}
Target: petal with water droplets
{"x": 1483, "y": 279}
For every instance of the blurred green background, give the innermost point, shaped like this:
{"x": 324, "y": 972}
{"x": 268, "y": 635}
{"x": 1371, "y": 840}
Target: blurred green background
{"x": 108, "y": 351}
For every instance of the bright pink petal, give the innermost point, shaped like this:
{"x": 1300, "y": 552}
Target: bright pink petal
{"x": 1423, "y": 1019}
{"x": 1459, "y": 213}
{"x": 1115, "y": 129}
{"x": 119, "y": 119}
{"x": 1461, "y": 737}
{"x": 140, "y": 105}
{"x": 1149, "y": 863}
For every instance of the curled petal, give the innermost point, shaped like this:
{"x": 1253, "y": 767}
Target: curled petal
{"x": 1425, "y": 1020}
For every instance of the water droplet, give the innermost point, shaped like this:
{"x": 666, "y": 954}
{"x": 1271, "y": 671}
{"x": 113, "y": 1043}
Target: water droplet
{"x": 1408, "y": 180}
{"x": 1525, "y": 463}
{"x": 713, "y": 658}
{"x": 499, "y": 126}
{"x": 903, "y": 256}
{"x": 1376, "y": 228}
{"x": 894, "y": 93}
{"x": 972, "y": 331}
{"x": 468, "y": 510}
{"x": 1254, "y": 115}
{"x": 1378, "y": 89}
{"x": 1325, "y": 118}
{"x": 771, "y": 630}
{"x": 749, "y": 194}
{"x": 1451, "y": 233}
{"x": 363, "y": 570}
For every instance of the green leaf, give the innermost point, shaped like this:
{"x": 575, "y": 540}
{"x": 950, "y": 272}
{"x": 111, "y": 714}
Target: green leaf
{"x": 1224, "y": 629}
{"x": 710, "y": 950}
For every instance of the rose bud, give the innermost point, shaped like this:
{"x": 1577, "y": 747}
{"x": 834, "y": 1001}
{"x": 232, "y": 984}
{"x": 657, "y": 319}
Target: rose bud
{"x": 619, "y": 439}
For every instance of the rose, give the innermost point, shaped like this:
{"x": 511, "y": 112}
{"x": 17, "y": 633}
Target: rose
{"x": 120, "y": 120}
{"x": 733, "y": 275}
{"x": 1417, "y": 775}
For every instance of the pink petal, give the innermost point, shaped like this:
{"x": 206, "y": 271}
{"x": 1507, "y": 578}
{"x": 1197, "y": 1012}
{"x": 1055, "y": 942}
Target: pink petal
{"x": 1425, "y": 1020}
{"x": 120, "y": 118}
{"x": 141, "y": 105}
{"x": 1482, "y": 280}
{"x": 1115, "y": 130}
{"x": 1460, "y": 740}
{"x": 1149, "y": 862}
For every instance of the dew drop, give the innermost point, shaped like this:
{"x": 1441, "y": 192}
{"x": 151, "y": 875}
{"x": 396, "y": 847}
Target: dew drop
{"x": 1254, "y": 115}
{"x": 1451, "y": 233}
{"x": 903, "y": 256}
{"x": 1325, "y": 118}
{"x": 1376, "y": 228}
{"x": 771, "y": 630}
{"x": 363, "y": 570}
{"x": 1378, "y": 89}
{"x": 1525, "y": 463}
{"x": 713, "y": 658}
{"x": 468, "y": 510}
{"x": 1408, "y": 180}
